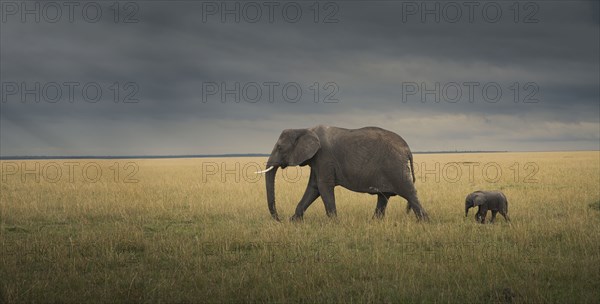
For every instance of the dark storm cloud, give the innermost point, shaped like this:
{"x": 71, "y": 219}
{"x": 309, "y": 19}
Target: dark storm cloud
{"x": 160, "y": 62}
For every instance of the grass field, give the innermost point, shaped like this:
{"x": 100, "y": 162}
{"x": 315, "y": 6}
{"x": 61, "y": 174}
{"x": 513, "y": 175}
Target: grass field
{"x": 198, "y": 230}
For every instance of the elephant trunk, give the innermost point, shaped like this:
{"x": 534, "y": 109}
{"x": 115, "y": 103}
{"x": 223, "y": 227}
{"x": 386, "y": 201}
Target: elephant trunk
{"x": 270, "y": 178}
{"x": 412, "y": 167}
{"x": 466, "y": 210}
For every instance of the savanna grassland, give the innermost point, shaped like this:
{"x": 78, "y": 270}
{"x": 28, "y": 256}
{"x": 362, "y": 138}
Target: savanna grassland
{"x": 198, "y": 230}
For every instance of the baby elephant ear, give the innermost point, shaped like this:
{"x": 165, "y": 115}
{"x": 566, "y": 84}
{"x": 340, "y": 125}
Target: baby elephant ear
{"x": 306, "y": 146}
{"x": 478, "y": 200}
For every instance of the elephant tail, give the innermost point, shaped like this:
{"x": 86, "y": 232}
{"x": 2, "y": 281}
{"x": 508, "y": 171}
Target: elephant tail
{"x": 412, "y": 167}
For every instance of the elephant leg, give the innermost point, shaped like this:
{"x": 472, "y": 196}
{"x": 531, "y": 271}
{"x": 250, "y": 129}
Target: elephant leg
{"x": 310, "y": 195}
{"x": 382, "y": 200}
{"x": 505, "y": 215}
{"x": 406, "y": 189}
{"x": 493, "y": 216}
{"x": 414, "y": 204}
{"x": 482, "y": 213}
{"x": 328, "y": 196}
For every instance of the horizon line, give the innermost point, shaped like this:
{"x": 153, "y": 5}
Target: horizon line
{"x": 46, "y": 157}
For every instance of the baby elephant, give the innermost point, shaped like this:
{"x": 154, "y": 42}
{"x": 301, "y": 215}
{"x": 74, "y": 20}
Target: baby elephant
{"x": 487, "y": 200}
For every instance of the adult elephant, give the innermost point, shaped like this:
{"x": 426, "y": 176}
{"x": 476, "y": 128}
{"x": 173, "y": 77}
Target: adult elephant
{"x": 368, "y": 160}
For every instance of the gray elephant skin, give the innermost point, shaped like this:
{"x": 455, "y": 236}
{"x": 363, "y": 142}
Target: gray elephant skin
{"x": 494, "y": 201}
{"x": 367, "y": 160}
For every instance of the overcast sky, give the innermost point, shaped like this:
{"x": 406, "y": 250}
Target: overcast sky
{"x": 370, "y": 60}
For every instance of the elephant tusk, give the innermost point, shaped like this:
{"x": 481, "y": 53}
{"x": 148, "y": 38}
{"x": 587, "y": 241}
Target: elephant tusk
{"x": 265, "y": 171}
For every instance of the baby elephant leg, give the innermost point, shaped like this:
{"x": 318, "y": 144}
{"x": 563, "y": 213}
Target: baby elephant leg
{"x": 505, "y": 215}
{"x": 493, "y": 216}
{"x": 481, "y": 214}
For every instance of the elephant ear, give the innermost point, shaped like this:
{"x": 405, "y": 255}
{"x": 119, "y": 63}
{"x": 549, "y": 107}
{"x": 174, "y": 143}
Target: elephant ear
{"x": 469, "y": 198}
{"x": 306, "y": 146}
{"x": 478, "y": 200}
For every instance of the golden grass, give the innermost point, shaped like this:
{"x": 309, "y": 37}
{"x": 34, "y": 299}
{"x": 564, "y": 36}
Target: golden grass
{"x": 186, "y": 233}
